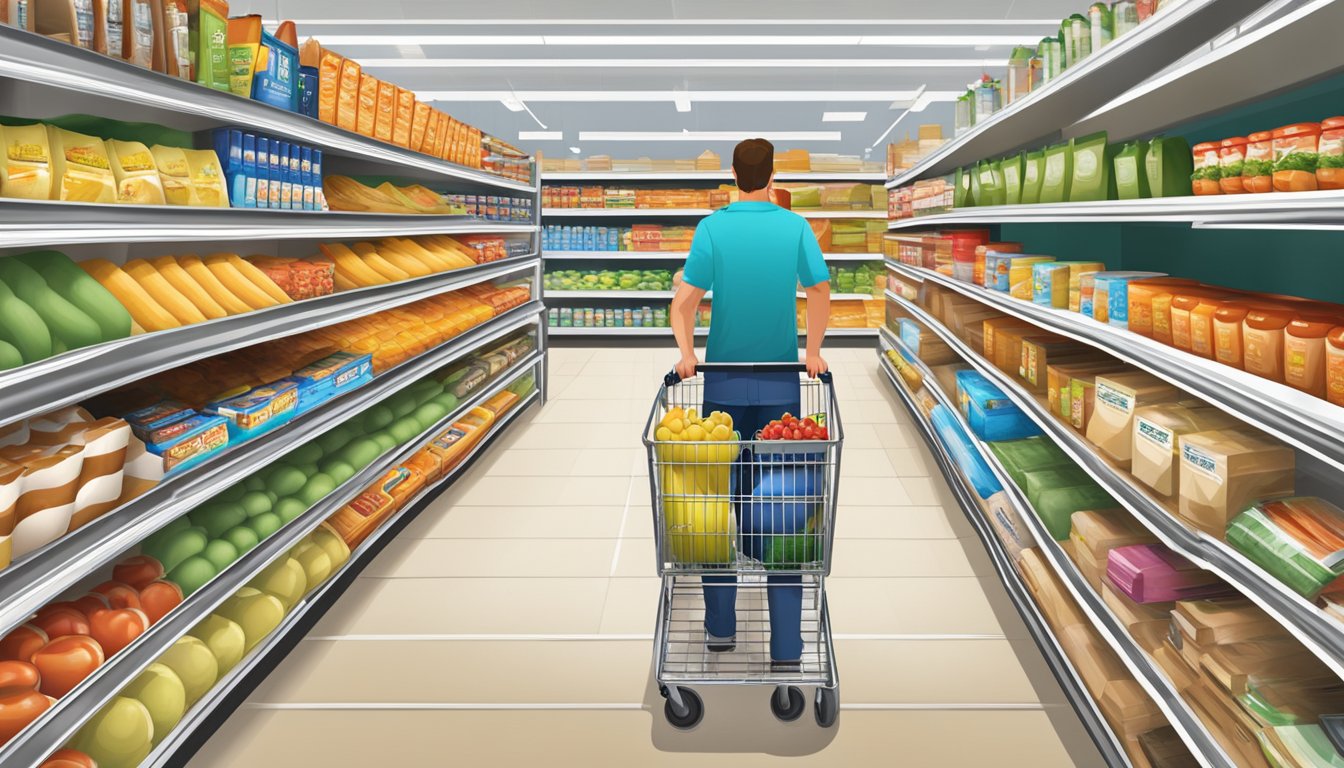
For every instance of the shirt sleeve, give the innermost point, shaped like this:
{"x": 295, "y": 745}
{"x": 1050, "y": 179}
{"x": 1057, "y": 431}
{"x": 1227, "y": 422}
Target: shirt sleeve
{"x": 811, "y": 266}
{"x": 699, "y": 270}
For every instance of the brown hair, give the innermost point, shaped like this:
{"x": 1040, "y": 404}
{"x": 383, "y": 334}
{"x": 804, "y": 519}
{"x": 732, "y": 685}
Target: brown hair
{"x": 754, "y": 161}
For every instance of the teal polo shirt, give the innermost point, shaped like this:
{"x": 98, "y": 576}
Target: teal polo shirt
{"x": 753, "y": 256}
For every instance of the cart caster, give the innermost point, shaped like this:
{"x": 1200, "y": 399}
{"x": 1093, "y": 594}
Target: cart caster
{"x": 787, "y": 703}
{"x": 683, "y": 707}
{"x": 827, "y": 706}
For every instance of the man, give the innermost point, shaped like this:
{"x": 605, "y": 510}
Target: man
{"x": 753, "y": 255}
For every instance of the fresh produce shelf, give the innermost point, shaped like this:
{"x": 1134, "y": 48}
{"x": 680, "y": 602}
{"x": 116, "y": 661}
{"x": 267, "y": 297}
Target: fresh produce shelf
{"x": 1146, "y": 672}
{"x": 1228, "y": 76}
{"x": 63, "y": 719}
{"x": 1318, "y": 632}
{"x": 1295, "y": 209}
{"x": 1070, "y": 681}
{"x": 1038, "y": 117}
{"x": 676, "y": 256}
{"x": 259, "y": 662}
{"x": 32, "y": 223}
{"x": 141, "y": 94}
{"x": 686, "y": 213}
{"x": 1307, "y": 422}
{"x": 708, "y": 176}
{"x": 45, "y": 574}
{"x": 64, "y": 379}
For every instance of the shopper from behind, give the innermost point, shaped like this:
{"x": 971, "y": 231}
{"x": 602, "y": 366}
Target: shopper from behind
{"x": 753, "y": 254}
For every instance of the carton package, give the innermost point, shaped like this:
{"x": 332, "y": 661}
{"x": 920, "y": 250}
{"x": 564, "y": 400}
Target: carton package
{"x": 990, "y": 414}
{"x": 1235, "y": 730}
{"x": 994, "y": 326}
{"x": 1118, "y": 396}
{"x": 1157, "y": 432}
{"x": 1224, "y": 471}
{"x": 1163, "y": 748}
{"x": 1055, "y": 494}
{"x": 1038, "y": 352}
{"x": 1096, "y": 663}
{"x": 1059, "y": 381}
{"x": 1129, "y": 709}
{"x": 1151, "y": 621}
{"x": 1153, "y": 573}
{"x": 1096, "y": 532}
{"x": 1224, "y": 621}
{"x": 1050, "y": 594}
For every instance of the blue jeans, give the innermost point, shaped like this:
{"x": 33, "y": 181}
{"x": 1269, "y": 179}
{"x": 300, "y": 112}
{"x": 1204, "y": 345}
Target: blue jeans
{"x": 784, "y": 592}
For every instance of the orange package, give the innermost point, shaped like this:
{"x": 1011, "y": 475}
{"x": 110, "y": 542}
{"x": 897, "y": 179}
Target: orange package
{"x": 367, "y": 511}
{"x": 328, "y": 86}
{"x": 441, "y": 138}
{"x": 419, "y": 122}
{"x": 431, "y": 132}
{"x": 405, "y": 114}
{"x": 427, "y": 463}
{"x": 456, "y": 442}
{"x": 347, "y": 96}
{"x": 387, "y": 111}
{"x": 368, "y": 104}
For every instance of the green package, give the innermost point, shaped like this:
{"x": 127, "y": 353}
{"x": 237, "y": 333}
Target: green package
{"x": 961, "y": 189}
{"x": 1264, "y": 543}
{"x": 1057, "y": 493}
{"x": 1169, "y": 165}
{"x": 1030, "y": 454}
{"x": 1131, "y": 177}
{"x": 1075, "y": 37}
{"x": 1033, "y": 174}
{"x": 1012, "y": 178}
{"x": 1058, "y": 173}
{"x": 977, "y": 193}
{"x": 991, "y": 184}
{"x": 1092, "y": 177}
{"x": 208, "y": 32}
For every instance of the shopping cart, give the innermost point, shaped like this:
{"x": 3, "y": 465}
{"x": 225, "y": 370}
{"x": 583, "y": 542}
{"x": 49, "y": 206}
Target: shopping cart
{"x": 760, "y": 510}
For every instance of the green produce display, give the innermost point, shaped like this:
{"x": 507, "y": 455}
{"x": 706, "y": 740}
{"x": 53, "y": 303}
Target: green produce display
{"x": 864, "y": 278}
{"x": 609, "y": 280}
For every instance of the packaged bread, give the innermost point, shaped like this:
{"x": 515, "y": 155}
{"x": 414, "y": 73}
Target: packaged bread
{"x": 419, "y": 122}
{"x": 405, "y": 115}
{"x": 105, "y": 442}
{"x": 1223, "y": 471}
{"x": 1118, "y": 395}
{"x": 25, "y": 173}
{"x": 347, "y": 96}
{"x": 174, "y": 175}
{"x": 1157, "y": 432}
{"x": 385, "y": 112}
{"x": 11, "y": 484}
{"x": 368, "y": 104}
{"x": 328, "y": 84}
{"x": 136, "y": 174}
{"x": 80, "y": 169}
{"x": 47, "y": 500}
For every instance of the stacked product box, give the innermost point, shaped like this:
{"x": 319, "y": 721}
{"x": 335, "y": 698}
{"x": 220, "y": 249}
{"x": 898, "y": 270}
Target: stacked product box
{"x": 266, "y": 172}
{"x": 587, "y": 238}
{"x": 494, "y": 207}
{"x": 600, "y": 317}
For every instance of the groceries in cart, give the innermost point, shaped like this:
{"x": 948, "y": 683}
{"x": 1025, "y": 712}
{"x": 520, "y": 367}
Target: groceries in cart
{"x": 695, "y": 455}
{"x": 790, "y": 427}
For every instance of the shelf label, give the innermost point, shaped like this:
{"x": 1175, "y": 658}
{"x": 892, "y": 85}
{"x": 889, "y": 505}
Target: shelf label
{"x": 1156, "y": 434}
{"x": 1200, "y": 461}
{"x": 1114, "y": 398}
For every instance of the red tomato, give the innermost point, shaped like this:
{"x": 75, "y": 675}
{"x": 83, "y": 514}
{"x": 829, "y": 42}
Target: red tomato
{"x": 18, "y": 708}
{"x": 808, "y": 422}
{"x": 809, "y": 433}
{"x": 61, "y": 620}
{"x": 158, "y": 598}
{"x": 65, "y": 662}
{"x": 23, "y": 642}
{"x": 119, "y": 594}
{"x": 824, "y": 433}
{"x": 116, "y": 628}
{"x": 19, "y": 674}
{"x": 797, "y": 434}
{"x": 137, "y": 571}
{"x": 69, "y": 758}
{"x": 91, "y": 603}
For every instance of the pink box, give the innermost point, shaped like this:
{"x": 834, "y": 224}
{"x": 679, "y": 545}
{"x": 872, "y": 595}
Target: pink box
{"x": 1151, "y": 573}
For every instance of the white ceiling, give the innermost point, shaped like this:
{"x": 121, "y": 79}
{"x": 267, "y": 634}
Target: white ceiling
{"x": 623, "y": 65}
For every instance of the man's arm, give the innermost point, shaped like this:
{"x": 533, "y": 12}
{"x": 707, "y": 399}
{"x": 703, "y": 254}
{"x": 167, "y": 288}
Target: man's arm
{"x": 818, "y": 315}
{"x": 685, "y": 304}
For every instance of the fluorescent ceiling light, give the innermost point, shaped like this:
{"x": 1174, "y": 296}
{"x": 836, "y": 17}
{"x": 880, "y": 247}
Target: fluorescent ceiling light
{"x": 683, "y": 103}
{"x": 831, "y": 22}
{"x": 575, "y": 150}
{"x": 541, "y": 135}
{"x": 844, "y": 117}
{"x": 796, "y": 63}
{"x": 707, "y": 135}
{"x": 511, "y": 103}
{"x": 981, "y": 42}
{"x": 696, "y": 96}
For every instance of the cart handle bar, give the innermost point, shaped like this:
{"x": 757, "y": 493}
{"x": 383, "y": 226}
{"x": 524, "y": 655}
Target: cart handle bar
{"x": 672, "y": 379}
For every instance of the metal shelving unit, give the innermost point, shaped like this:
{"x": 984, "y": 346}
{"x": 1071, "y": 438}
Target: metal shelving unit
{"x": 69, "y": 377}
{"x": 45, "y": 574}
{"x": 1070, "y": 681}
{"x": 1270, "y": 210}
{"x": 270, "y": 650}
{"x": 666, "y": 295}
{"x": 64, "y": 718}
{"x": 118, "y": 89}
{"x": 656, "y": 331}
{"x": 721, "y": 176}
{"x": 32, "y": 223}
{"x": 687, "y": 213}
{"x": 677, "y": 256}
{"x": 1317, "y": 631}
{"x": 1038, "y": 118}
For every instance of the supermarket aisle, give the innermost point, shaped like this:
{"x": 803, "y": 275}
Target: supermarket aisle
{"x": 511, "y": 623}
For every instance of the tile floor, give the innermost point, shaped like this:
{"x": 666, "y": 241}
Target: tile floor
{"x": 511, "y": 623}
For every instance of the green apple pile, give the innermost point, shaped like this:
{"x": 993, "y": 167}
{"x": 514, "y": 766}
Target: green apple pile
{"x": 124, "y": 732}
{"x": 196, "y": 548}
{"x": 609, "y": 280}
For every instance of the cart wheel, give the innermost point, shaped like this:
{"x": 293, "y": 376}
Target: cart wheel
{"x": 692, "y": 708}
{"x": 827, "y": 706}
{"x": 787, "y": 703}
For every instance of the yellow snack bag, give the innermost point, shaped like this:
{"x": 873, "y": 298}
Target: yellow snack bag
{"x": 207, "y": 178}
{"x": 81, "y": 171}
{"x": 136, "y": 174}
{"x": 26, "y": 170}
{"x": 174, "y": 174}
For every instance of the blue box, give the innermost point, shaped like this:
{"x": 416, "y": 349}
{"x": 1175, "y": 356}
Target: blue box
{"x": 250, "y": 170}
{"x": 989, "y": 412}
{"x": 263, "y": 172}
{"x": 148, "y": 423}
{"x": 330, "y": 377}
{"x": 190, "y": 441}
{"x": 308, "y": 87}
{"x": 286, "y": 179}
{"x": 277, "y": 83}
{"x": 257, "y": 410}
{"x": 910, "y": 333}
{"x": 276, "y": 172}
{"x": 1114, "y": 286}
{"x": 320, "y": 201}
{"x": 306, "y": 176}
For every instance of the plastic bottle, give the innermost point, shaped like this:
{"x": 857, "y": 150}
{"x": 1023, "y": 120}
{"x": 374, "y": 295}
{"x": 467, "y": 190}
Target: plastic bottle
{"x": 1124, "y": 16}
{"x": 1075, "y": 35}
{"x": 1102, "y": 22}
{"x": 987, "y": 99}
{"x": 1019, "y": 79}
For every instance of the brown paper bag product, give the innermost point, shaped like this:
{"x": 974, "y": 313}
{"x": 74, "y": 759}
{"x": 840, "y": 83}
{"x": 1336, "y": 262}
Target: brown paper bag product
{"x": 419, "y": 124}
{"x": 386, "y": 113}
{"x": 1138, "y": 617}
{"x": 174, "y": 46}
{"x": 48, "y": 499}
{"x": 993, "y": 327}
{"x": 1129, "y": 709}
{"x": 347, "y": 96}
{"x": 1059, "y": 381}
{"x": 1055, "y": 603}
{"x": 100, "y": 478}
{"x": 1118, "y": 395}
{"x": 1096, "y": 663}
{"x": 405, "y": 115}
{"x": 1224, "y": 471}
{"x": 965, "y": 317}
{"x": 368, "y": 105}
{"x": 1233, "y": 727}
{"x": 328, "y": 84}
{"x": 1095, "y": 533}
{"x": 1157, "y": 431}
{"x": 1038, "y": 352}
{"x": 1225, "y": 621}
{"x": 11, "y": 487}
